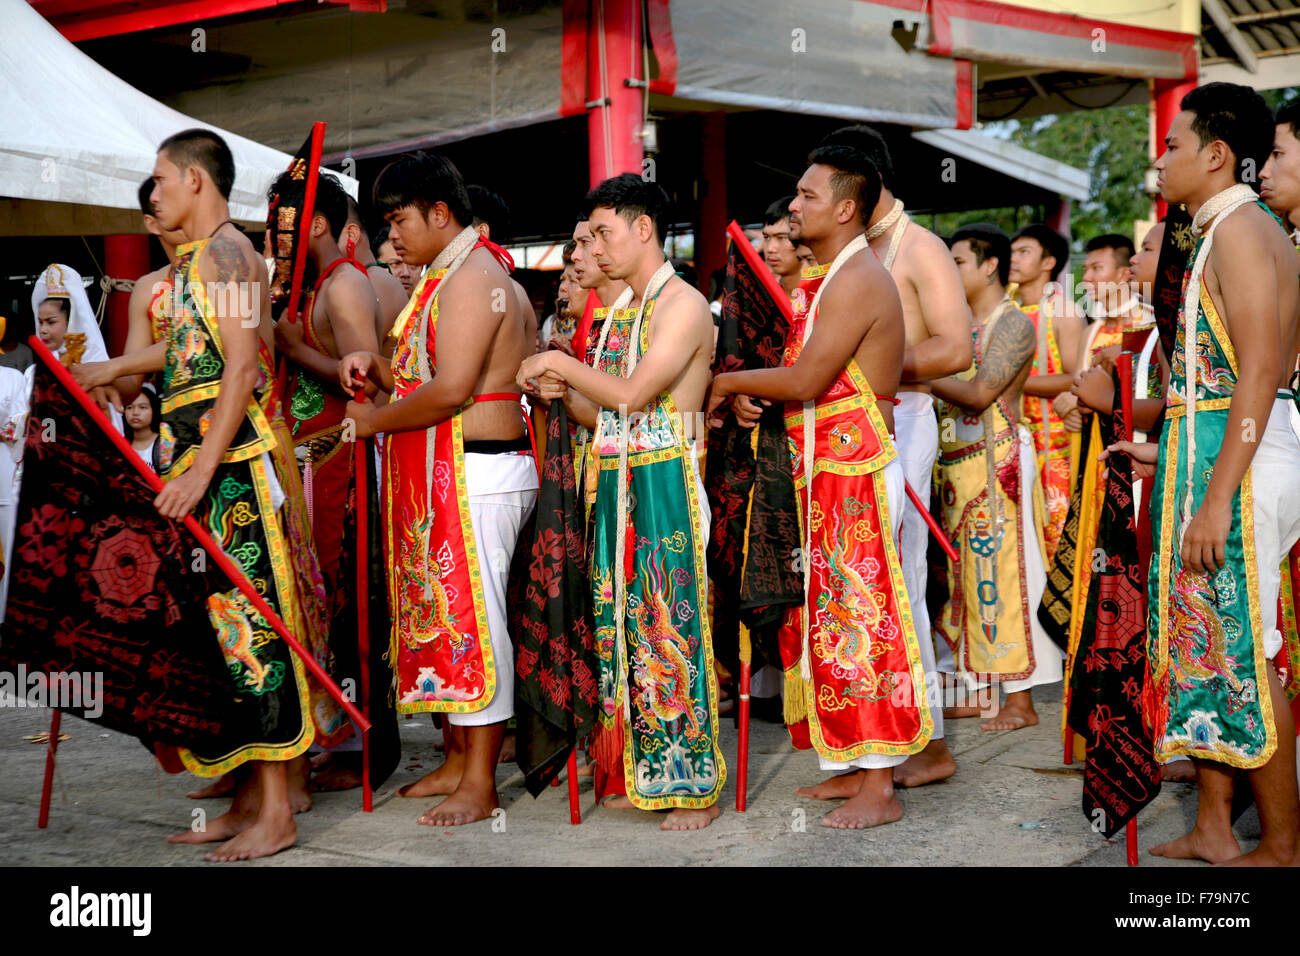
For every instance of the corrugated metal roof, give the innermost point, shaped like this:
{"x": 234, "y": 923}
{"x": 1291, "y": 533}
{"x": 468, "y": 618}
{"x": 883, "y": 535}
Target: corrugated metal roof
{"x": 1268, "y": 27}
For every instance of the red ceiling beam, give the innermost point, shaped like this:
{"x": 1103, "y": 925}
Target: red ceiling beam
{"x": 81, "y": 20}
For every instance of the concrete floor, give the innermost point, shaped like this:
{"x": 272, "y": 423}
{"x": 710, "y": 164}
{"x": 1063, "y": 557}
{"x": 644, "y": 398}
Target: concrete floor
{"x": 1010, "y": 803}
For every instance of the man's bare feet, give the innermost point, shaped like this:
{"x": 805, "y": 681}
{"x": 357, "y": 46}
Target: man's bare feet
{"x": 1017, "y": 712}
{"x": 269, "y": 835}
{"x": 335, "y": 777}
{"x": 617, "y": 801}
{"x": 507, "y": 749}
{"x": 1200, "y": 845}
{"x": 684, "y": 819}
{"x": 868, "y": 808}
{"x": 1178, "y": 771}
{"x": 438, "y": 782}
{"x": 1265, "y": 856}
{"x": 223, "y": 786}
{"x": 932, "y": 764}
{"x": 466, "y": 805}
{"x": 222, "y": 828}
{"x": 839, "y": 787}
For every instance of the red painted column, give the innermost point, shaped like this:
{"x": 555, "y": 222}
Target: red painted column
{"x": 711, "y": 226}
{"x": 613, "y": 127}
{"x": 1166, "y": 95}
{"x": 125, "y": 257}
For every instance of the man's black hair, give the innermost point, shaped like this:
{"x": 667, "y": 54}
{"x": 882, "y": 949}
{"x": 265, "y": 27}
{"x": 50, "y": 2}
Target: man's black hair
{"x": 486, "y": 206}
{"x": 203, "y": 148}
{"x": 354, "y": 215}
{"x": 986, "y": 242}
{"x": 631, "y": 197}
{"x": 331, "y": 199}
{"x": 1117, "y": 243}
{"x": 855, "y": 176}
{"x": 422, "y": 180}
{"x": 566, "y": 253}
{"x": 779, "y": 211}
{"x": 1289, "y": 114}
{"x": 143, "y": 194}
{"x": 1239, "y": 116}
{"x": 868, "y": 142}
{"x": 1052, "y": 243}
{"x": 64, "y": 304}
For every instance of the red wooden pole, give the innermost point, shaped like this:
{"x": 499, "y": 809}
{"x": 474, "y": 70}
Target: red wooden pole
{"x": 125, "y": 257}
{"x": 575, "y": 812}
{"x": 200, "y": 533}
{"x": 1069, "y": 746}
{"x": 742, "y": 747}
{"x": 361, "y": 464}
{"x": 1131, "y": 839}
{"x": 47, "y": 787}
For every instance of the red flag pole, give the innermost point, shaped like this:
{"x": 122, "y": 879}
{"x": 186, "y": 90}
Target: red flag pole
{"x": 742, "y": 747}
{"x": 361, "y": 465}
{"x": 307, "y": 213}
{"x": 43, "y": 819}
{"x": 575, "y": 812}
{"x": 232, "y": 570}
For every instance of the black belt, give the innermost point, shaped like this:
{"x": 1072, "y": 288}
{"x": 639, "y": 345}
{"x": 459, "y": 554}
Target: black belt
{"x": 497, "y": 446}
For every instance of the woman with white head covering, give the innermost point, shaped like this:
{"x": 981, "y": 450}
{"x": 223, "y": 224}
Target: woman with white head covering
{"x": 60, "y": 294}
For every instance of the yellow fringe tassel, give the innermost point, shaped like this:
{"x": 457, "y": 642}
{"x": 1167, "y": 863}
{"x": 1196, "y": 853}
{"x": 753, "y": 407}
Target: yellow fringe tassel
{"x": 796, "y": 706}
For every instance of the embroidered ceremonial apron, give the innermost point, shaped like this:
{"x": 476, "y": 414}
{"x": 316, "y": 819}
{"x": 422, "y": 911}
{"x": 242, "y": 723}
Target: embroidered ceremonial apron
{"x": 1209, "y": 685}
{"x": 658, "y": 692}
{"x": 986, "y": 618}
{"x": 1051, "y": 440}
{"x": 858, "y": 686}
{"x": 440, "y": 647}
{"x": 268, "y": 681}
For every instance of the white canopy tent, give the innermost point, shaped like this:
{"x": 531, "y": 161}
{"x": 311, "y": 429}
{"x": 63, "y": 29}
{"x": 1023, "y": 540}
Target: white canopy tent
{"x": 76, "y": 141}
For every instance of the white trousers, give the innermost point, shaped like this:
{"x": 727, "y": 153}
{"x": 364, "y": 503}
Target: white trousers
{"x": 502, "y": 492}
{"x": 917, "y": 429}
{"x": 893, "y": 474}
{"x": 1276, "y": 495}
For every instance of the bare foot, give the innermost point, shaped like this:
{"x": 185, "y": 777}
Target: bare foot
{"x": 223, "y": 786}
{"x": 507, "y": 749}
{"x": 322, "y": 759}
{"x": 957, "y": 713}
{"x": 867, "y": 809}
{"x": 438, "y": 782}
{"x": 933, "y": 763}
{"x": 839, "y": 787}
{"x": 1017, "y": 712}
{"x": 618, "y": 801}
{"x": 1198, "y": 845}
{"x": 335, "y": 777}
{"x": 586, "y": 769}
{"x": 684, "y": 819}
{"x": 1264, "y": 856}
{"x": 264, "y": 838}
{"x": 466, "y": 805}
{"x": 1178, "y": 771}
{"x": 222, "y": 828}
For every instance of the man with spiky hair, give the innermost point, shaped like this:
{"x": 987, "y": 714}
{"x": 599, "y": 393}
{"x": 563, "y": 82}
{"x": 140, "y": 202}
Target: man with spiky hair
{"x": 1225, "y": 502}
{"x": 854, "y": 679}
{"x": 354, "y": 240}
{"x": 656, "y": 745}
{"x": 938, "y": 344}
{"x": 459, "y": 476}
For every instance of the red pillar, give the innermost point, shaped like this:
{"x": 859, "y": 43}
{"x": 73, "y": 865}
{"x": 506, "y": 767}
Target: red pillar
{"x": 125, "y": 257}
{"x": 614, "y": 127}
{"x": 1165, "y": 97}
{"x": 710, "y": 229}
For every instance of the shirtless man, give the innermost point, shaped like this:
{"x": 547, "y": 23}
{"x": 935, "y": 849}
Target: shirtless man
{"x": 857, "y": 333}
{"x": 461, "y": 338}
{"x": 998, "y": 577}
{"x": 938, "y": 344}
{"x": 1246, "y": 456}
{"x": 407, "y": 275}
{"x": 1280, "y": 177}
{"x": 491, "y": 216}
{"x": 650, "y": 377}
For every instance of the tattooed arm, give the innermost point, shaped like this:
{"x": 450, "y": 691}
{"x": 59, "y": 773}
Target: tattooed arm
{"x": 234, "y": 278}
{"x": 1010, "y": 350}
